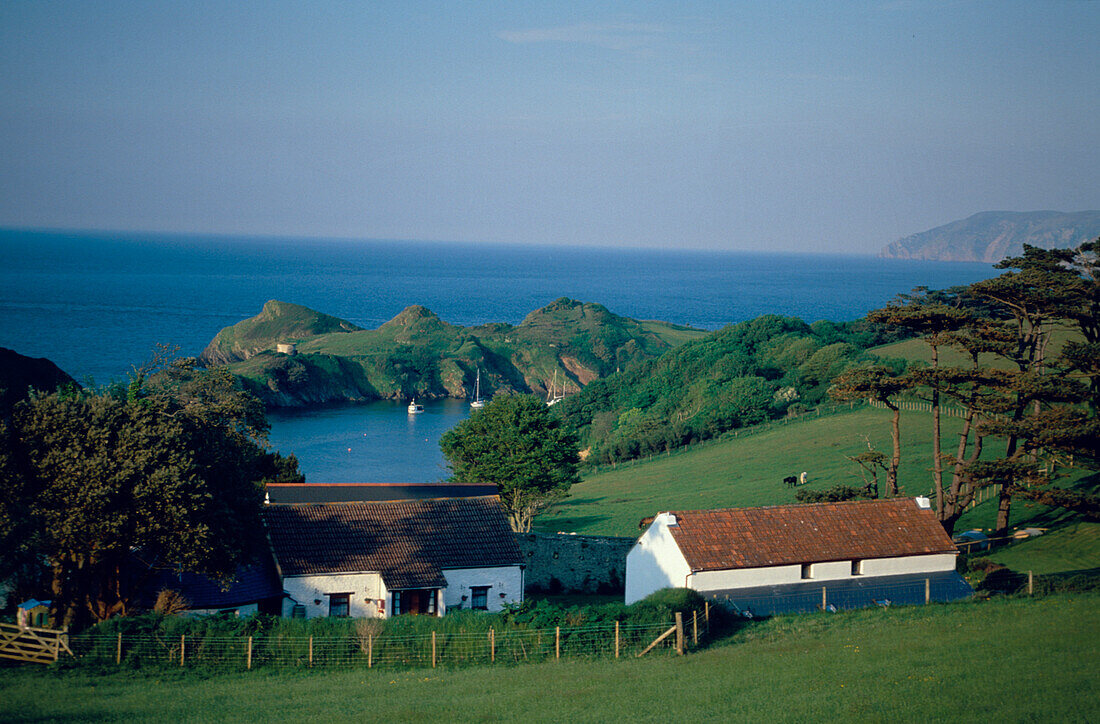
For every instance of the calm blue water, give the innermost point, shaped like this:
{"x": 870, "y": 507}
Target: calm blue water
{"x": 96, "y": 304}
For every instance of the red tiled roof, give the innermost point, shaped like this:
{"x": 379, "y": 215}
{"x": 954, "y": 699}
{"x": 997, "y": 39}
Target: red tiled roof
{"x": 789, "y": 534}
{"x": 408, "y": 542}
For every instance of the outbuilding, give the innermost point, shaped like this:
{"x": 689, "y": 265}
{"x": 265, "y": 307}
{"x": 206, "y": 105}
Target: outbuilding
{"x": 800, "y": 557}
{"x": 380, "y": 559}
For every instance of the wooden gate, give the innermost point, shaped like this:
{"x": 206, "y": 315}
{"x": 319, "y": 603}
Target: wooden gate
{"x": 36, "y": 645}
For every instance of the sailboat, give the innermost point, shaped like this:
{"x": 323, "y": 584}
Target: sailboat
{"x": 554, "y": 395}
{"x": 477, "y": 403}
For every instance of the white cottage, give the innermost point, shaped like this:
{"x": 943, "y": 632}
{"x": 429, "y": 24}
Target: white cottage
{"x": 378, "y": 559}
{"x": 798, "y": 557}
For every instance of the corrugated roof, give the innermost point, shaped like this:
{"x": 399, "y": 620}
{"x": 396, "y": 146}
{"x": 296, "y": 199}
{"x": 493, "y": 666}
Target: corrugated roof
{"x": 789, "y": 534}
{"x": 408, "y": 542}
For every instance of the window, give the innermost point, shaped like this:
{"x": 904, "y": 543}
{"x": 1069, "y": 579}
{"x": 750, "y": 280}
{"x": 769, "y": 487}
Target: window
{"x": 415, "y": 600}
{"x": 857, "y": 568}
{"x": 339, "y": 604}
{"x": 479, "y": 597}
{"x": 807, "y": 570}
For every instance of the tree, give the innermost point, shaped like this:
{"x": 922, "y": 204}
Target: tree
{"x": 168, "y": 473}
{"x": 883, "y": 385}
{"x": 935, "y": 321}
{"x": 1015, "y": 385}
{"x": 516, "y": 443}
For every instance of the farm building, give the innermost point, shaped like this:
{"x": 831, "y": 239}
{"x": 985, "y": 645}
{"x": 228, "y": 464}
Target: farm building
{"x": 254, "y": 589}
{"x": 800, "y": 557}
{"x": 378, "y": 559}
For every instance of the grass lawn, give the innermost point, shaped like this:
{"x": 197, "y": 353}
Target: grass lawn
{"x": 749, "y": 470}
{"x": 1072, "y": 547}
{"x": 1002, "y": 660}
{"x": 744, "y": 471}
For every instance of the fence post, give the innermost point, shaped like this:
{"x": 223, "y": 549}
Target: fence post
{"x": 927, "y": 591}
{"x": 1030, "y": 583}
{"x": 182, "y": 645}
{"x": 706, "y": 615}
{"x": 249, "y": 661}
{"x": 370, "y": 650}
{"x": 118, "y": 650}
{"x": 824, "y": 602}
{"x": 492, "y": 645}
{"x": 433, "y": 649}
{"x": 557, "y": 642}
{"x": 616, "y": 639}
{"x": 679, "y": 633}
{"x": 311, "y": 652}
{"x": 695, "y": 627}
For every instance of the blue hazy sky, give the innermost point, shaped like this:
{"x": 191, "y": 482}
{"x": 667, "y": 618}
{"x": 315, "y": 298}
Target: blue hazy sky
{"x": 831, "y": 126}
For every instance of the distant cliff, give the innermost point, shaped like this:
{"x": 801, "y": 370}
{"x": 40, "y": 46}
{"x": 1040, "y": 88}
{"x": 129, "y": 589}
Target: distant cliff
{"x": 19, "y": 374}
{"x": 417, "y": 354}
{"x": 993, "y": 235}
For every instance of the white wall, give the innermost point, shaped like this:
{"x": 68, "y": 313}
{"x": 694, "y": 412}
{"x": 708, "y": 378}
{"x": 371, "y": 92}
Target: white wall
{"x": 745, "y": 578}
{"x": 655, "y": 562}
{"x": 909, "y": 564}
{"x": 365, "y": 589}
{"x": 827, "y": 571}
{"x": 506, "y": 579}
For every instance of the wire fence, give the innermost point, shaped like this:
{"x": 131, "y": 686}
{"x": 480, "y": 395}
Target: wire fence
{"x": 368, "y": 649}
{"x": 843, "y": 594}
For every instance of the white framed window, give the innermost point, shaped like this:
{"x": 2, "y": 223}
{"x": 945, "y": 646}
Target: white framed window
{"x": 479, "y": 597}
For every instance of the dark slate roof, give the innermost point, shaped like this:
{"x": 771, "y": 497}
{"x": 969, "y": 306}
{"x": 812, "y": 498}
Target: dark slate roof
{"x": 295, "y": 494}
{"x": 788, "y": 534}
{"x": 408, "y": 542}
{"x": 252, "y": 583}
{"x": 845, "y": 593}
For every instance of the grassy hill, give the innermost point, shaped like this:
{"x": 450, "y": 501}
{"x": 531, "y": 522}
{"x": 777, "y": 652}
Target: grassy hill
{"x": 1013, "y": 659}
{"x": 417, "y": 354}
{"x": 748, "y": 469}
{"x": 739, "y": 471}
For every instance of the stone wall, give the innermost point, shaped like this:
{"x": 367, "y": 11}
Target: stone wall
{"x": 574, "y": 563}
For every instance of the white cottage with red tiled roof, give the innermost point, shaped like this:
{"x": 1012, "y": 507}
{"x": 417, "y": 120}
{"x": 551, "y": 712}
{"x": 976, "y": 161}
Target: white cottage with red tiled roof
{"x": 378, "y": 559}
{"x": 798, "y": 557}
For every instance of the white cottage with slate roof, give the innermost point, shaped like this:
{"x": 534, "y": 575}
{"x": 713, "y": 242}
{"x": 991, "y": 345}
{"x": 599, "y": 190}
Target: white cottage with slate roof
{"x": 379, "y": 559}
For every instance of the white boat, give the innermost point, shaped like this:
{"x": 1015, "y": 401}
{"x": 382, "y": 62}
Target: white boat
{"x": 414, "y": 408}
{"x": 477, "y": 403}
{"x": 554, "y": 395}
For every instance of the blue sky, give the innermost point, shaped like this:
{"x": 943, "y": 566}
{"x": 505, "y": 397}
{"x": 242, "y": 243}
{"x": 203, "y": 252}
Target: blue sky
{"x": 730, "y": 125}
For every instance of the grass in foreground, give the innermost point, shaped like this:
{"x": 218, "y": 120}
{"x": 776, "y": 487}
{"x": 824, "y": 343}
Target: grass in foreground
{"x": 1007, "y": 660}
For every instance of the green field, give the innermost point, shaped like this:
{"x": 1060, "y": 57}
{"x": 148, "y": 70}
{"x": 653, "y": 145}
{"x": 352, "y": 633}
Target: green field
{"x": 748, "y": 470}
{"x": 743, "y": 471}
{"x": 1012, "y": 659}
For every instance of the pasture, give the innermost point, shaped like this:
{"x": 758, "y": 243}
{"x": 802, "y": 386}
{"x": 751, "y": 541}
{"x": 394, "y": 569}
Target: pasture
{"x": 1008, "y": 659}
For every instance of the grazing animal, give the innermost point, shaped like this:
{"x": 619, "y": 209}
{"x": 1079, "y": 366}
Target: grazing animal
{"x": 791, "y": 481}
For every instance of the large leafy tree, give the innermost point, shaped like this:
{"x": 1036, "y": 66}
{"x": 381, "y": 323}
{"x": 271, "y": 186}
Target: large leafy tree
{"x": 99, "y": 485}
{"x": 516, "y": 443}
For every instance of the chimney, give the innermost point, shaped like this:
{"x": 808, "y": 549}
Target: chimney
{"x": 923, "y": 502}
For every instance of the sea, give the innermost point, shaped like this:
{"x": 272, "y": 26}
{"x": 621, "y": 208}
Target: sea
{"x": 97, "y": 303}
